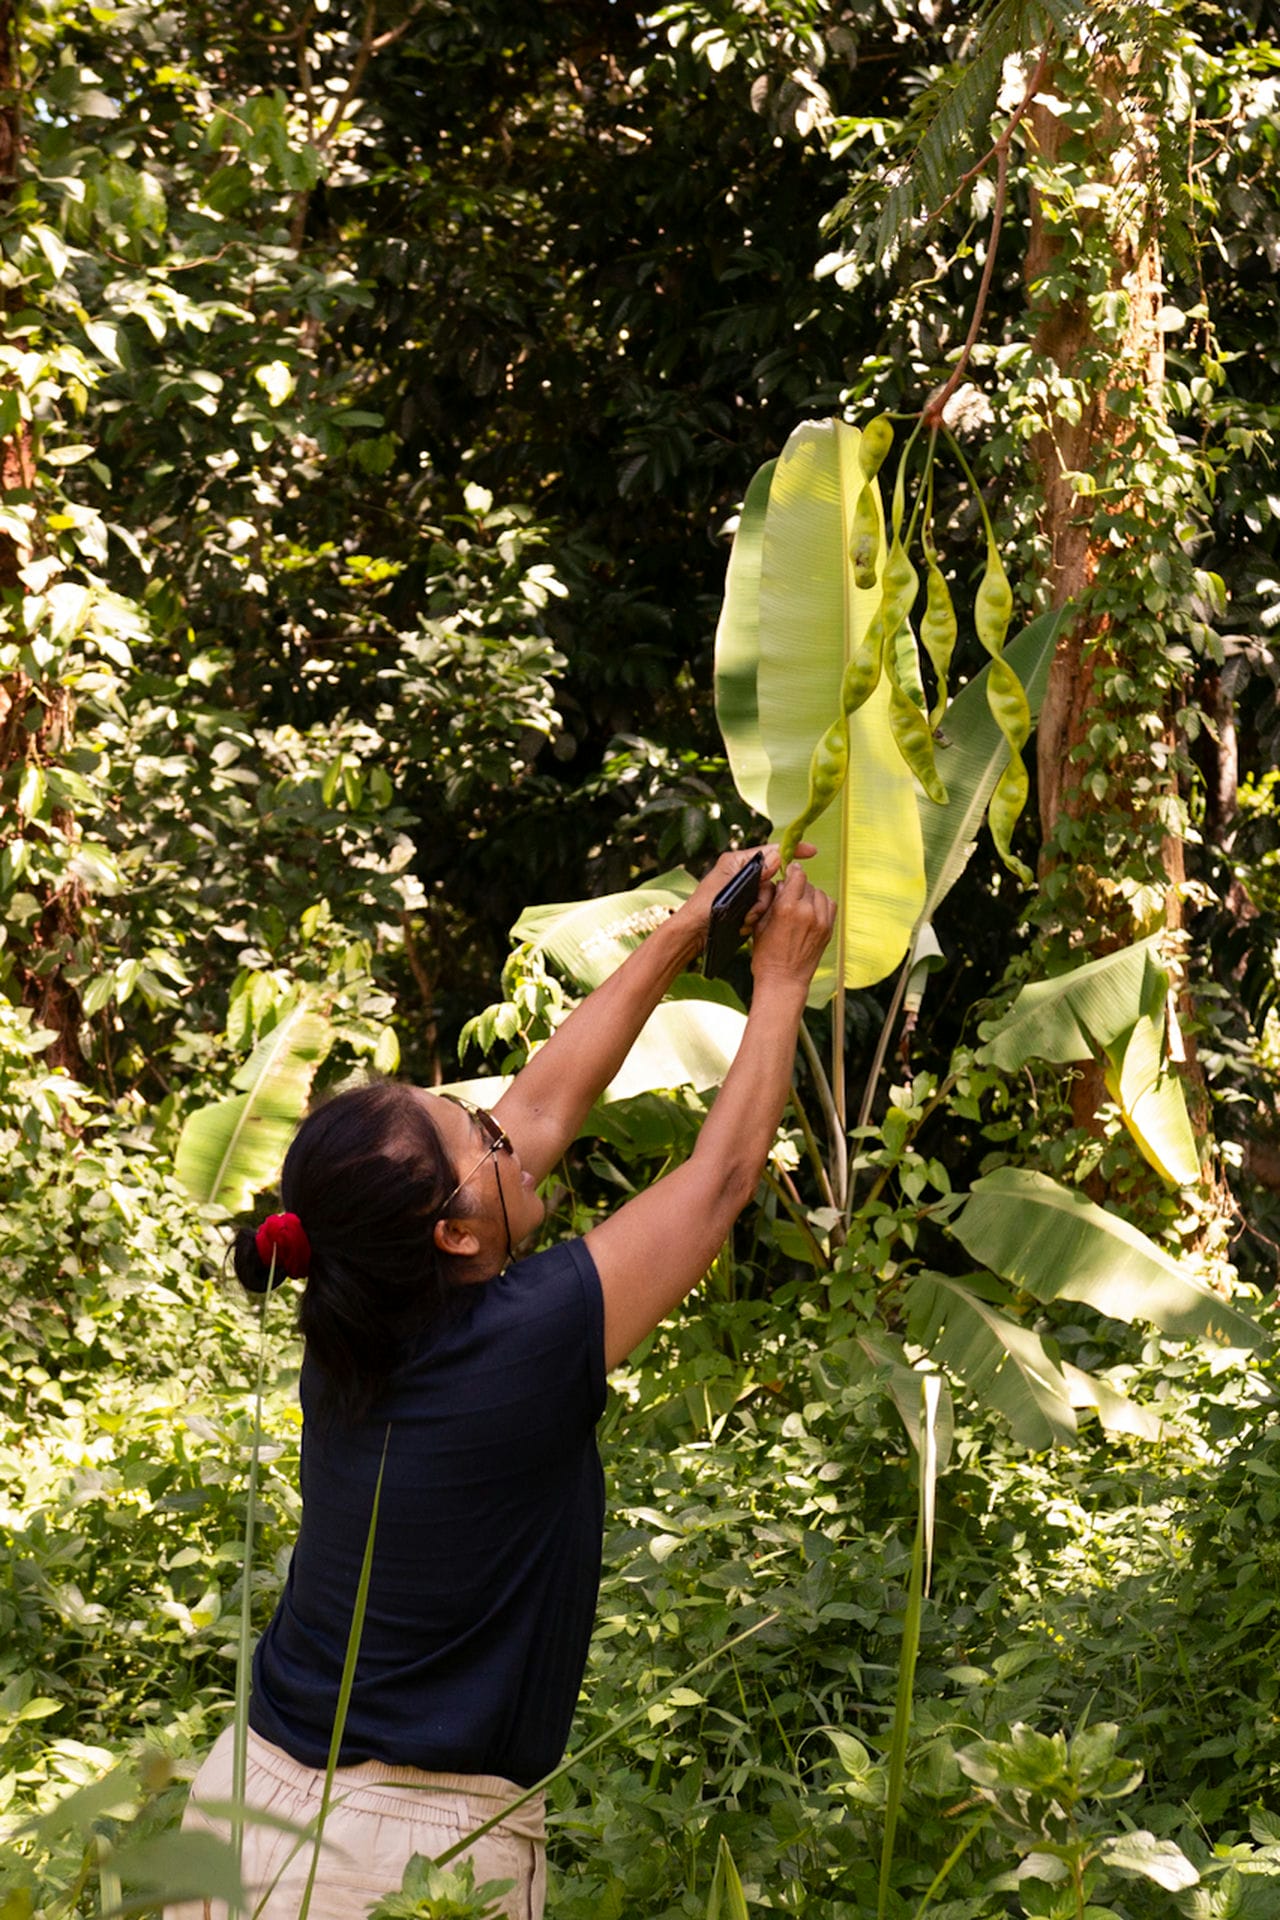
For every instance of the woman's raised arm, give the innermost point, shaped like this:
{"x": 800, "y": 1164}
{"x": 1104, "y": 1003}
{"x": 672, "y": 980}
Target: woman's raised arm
{"x": 546, "y": 1104}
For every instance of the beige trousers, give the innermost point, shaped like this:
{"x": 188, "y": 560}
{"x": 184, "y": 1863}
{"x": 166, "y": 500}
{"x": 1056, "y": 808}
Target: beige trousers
{"x": 379, "y": 1817}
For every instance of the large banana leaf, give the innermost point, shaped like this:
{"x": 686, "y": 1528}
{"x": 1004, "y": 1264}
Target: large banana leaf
{"x": 1113, "y": 1008}
{"x": 799, "y": 609}
{"x": 1055, "y": 1244}
{"x": 1066, "y": 1017}
{"x": 690, "y": 1040}
{"x": 1117, "y": 1412}
{"x": 229, "y": 1151}
{"x": 974, "y": 756}
{"x": 1003, "y": 1362}
{"x": 590, "y": 939}
{"x": 738, "y": 649}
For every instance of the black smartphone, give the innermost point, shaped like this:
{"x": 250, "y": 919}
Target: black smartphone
{"x": 728, "y": 911}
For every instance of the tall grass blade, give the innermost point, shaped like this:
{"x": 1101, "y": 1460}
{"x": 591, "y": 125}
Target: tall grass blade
{"x": 244, "y": 1649}
{"x": 921, "y": 1557}
{"x": 727, "y": 1901}
{"x": 952, "y": 1860}
{"x": 347, "y": 1681}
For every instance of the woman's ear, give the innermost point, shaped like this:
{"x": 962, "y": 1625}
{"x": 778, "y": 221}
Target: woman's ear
{"x": 456, "y": 1237}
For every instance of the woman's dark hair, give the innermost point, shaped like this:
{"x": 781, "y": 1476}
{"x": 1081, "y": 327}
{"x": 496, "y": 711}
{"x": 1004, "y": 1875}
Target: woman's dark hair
{"x": 367, "y": 1174}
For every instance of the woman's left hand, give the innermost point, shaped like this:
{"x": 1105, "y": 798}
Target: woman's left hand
{"x": 696, "y": 910}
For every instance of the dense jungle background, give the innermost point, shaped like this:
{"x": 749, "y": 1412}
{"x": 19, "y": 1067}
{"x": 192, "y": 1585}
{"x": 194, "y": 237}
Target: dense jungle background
{"x": 379, "y": 391}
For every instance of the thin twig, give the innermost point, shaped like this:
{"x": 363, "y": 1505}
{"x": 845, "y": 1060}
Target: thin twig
{"x": 1033, "y": 88}
{"x": 931, "y": 415}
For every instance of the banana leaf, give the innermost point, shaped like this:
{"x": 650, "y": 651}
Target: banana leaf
{"x": 799, "y": 611}
{"x": 902, "y": 1383}
{"x": 688, "y": 1041}
{"x": 1116, "y": 1411}
{"x": 738, "y": 649}
{"x": 589, "y": 939}
{"x": 1113, "y": 1009}
{"x": 229, "y": 1151}
{"x": 1056, "y": 1245}
{"x": 1004, "y": 1363}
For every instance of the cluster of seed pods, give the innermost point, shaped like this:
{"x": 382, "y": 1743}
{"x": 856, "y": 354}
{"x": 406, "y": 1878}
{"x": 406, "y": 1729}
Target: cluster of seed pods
{"x": 889, "y": 646}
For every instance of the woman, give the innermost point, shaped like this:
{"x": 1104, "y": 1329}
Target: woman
{"x": 475, "y": 1386}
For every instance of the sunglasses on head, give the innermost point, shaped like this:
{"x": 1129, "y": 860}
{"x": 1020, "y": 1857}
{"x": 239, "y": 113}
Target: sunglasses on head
{"x": 493, "y": 1133}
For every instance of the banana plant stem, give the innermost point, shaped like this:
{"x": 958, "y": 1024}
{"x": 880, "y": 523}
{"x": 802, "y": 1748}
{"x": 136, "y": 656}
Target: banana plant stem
{"x": 811, "y": 1146}
{"x": 835, "y": 1131}
{"x": 873, "y": 1078}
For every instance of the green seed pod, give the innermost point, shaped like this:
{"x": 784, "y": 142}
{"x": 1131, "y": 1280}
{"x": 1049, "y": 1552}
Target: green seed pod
{"x": 828, "y": 765}
{"x": 900, "y": 586}
{"x": 904, "y": 670}
{"x": 862, "y": 674}
{"x": 938, "y": 630}
{"x": 1007, "y": 700}
{"x": 913, "y": 738}
{"x": 864, "y": 543}
{"x": 873, "y": 448}
{"x": 1003, "y": 810}
{"x": 993, "y": 603}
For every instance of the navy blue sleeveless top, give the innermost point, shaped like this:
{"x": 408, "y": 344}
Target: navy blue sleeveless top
{"x": 487, "y": 1558}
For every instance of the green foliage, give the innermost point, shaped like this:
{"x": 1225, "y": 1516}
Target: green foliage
{"x": 428, "y": 1892}
{"x": 381, "y": 408}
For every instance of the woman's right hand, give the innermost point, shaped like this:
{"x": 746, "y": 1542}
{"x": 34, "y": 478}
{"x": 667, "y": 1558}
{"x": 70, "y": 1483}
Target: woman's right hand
{"x": 792, "y": 936}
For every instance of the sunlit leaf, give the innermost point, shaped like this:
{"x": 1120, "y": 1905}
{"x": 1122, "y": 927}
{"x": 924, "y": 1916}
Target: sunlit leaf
{"x": 1003, "y": 1363}
{"x": 972, "y": 755}
{"x": 798, "y": 606}
{"x": 1055, "y": 1244}
{"x": 229, "y": 1151}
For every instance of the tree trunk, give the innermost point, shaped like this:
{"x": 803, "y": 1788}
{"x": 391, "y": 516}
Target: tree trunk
{"x": 1122, "y": 384}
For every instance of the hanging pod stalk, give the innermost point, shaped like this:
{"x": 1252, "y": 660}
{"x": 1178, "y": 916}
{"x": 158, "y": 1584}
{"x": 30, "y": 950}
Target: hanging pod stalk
{"x": 1006, "y": 697}
{"x": 938, "y": 627}
{"x": 908, "y": 715}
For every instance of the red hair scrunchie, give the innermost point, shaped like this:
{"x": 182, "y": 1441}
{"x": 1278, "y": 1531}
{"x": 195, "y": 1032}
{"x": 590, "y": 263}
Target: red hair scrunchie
{"x": 283, "y": 1235}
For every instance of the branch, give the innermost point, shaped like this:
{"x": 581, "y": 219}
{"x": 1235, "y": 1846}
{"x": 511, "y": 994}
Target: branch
{"x": 931, "y": 414}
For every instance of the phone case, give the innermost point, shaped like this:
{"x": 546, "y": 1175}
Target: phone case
{"x": 728, "y": 911}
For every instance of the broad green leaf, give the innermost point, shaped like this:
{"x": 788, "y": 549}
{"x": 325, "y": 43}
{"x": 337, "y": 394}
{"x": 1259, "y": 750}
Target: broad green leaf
{"x": 974, "y": 756}
{"x": 738, "y": 648}
{"x": 589, "y": 939}
{"x": 181, "y": 1866}
{"x": 1063, "y": 1018}
{"x": 229, "y": 1151}
{"x": 1158, "y": 1860}
{"x": 683, "y": 1043}
{"x": 1113, "y": 1008}
{"x": 1000, "y": 1360}
{"x": 1117, "y": 1412}
{"x": 809, "y": 620}
{"x": 1055, "y": 1244}
{"x": 1152, "y": 1102}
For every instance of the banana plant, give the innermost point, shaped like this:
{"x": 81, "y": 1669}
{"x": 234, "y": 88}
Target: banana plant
{"x": 230, "y": 1150}
{"x": 816, "y": 562}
